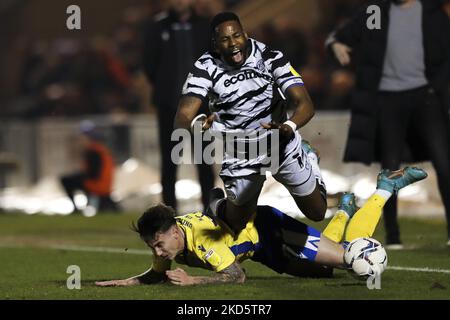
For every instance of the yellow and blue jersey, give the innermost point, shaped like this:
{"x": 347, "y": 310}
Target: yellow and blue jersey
{"x": 210, "y": 245}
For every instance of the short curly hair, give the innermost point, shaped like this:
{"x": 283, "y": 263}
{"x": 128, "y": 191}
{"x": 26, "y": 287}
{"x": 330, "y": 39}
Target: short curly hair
{"x": 155, "y": 219}
{"x": 221, "y": 18}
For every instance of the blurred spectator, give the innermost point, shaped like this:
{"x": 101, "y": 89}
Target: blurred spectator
{"x": 96, "y": 176}
{"x": 337, "y": 12}
{"x": 70, "y": 77}
{"x": 101, "y": 73}
{"x": 208, "y": 8}
{"x": 173, "y": 41}
{"x": 403, "y": 72}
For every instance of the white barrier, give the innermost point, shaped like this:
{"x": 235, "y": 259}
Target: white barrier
{"x": 46, "y": 148}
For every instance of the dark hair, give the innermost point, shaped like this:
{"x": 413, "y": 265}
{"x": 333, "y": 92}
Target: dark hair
{"x": 155, "y": 219}
{"x": 221, "y": 18}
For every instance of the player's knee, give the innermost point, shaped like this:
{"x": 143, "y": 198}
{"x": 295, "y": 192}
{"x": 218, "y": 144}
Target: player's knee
{"x": 237, "y": 216}
{"x": 238, "y": 226}
{"x": 318, "y": 213}
{"x": 315, "y": 212}
{"x": 317, "y": 217}
{"x": 314, "y": 206}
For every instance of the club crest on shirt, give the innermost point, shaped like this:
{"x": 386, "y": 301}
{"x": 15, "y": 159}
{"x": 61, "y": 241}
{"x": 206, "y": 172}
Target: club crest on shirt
{"x": 260, "y": 65}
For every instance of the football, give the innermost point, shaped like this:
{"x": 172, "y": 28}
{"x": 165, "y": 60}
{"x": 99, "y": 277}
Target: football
{"x": 366, "y": 257}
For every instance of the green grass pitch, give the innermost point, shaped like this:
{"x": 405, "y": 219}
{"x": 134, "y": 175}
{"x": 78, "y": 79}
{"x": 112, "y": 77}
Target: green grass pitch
{"x": 35, "y": 252}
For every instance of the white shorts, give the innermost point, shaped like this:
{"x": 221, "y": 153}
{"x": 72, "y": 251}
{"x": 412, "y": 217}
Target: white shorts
{"x": 297, "y": 173}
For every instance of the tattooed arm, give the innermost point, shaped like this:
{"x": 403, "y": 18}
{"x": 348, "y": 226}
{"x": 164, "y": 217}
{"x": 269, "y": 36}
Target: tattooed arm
{"x": 156, "y": 274}
{"x": 148, "y": 277}
{"x": 233, "y": 273}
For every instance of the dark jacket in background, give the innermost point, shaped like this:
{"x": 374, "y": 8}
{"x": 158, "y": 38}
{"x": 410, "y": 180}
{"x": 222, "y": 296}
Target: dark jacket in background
{"x": 368, "y": 52}
{"x": 170, "y": 51}
{"x": 165, "y": 65}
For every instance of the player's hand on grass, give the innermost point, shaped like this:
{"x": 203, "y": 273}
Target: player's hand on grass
{"x": 117, "y": 283}
{"x": 179, "y": 277}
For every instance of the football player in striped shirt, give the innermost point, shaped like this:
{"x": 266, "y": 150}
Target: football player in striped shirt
{"x": 243, "y": 80}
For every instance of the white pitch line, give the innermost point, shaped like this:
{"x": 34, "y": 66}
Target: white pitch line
{"x": 148, "y": 252}
{"x": 419, "y": 269}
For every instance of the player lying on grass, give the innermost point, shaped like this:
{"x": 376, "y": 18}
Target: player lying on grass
{"x": 272, "y": 238}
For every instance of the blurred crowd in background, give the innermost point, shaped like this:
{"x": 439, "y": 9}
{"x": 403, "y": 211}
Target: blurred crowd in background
{"x": 102, "y": 74}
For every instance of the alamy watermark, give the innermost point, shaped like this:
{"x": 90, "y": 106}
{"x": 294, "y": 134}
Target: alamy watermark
{"x": 374, "y": 20}
{"x": 374, "y": 282}
{"x": 73, "y": 22}
{"x": 74, "y": 280}
{"x": 260, "y": 147}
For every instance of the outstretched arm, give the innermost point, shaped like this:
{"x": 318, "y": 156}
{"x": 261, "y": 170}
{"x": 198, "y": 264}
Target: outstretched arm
{"x": 341, "y": 52}
{"x": 231, "y": 274}
{"x": 341, "y": 41}
{"x": 148, "y": 277}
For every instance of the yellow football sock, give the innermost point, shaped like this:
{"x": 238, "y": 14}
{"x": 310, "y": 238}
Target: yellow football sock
{"x": 365, "y": 220}
{"x": 335, "y": 229}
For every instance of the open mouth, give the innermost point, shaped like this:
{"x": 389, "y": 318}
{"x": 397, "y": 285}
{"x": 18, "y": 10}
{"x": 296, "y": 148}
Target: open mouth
{"x": 237, "y": 56}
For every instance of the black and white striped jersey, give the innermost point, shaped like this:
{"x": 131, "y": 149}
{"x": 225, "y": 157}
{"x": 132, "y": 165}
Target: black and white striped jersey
{"x": 241, "y": 97}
